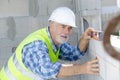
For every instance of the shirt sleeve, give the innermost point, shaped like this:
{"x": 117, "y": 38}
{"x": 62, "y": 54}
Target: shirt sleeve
{"x": 36, "y": 58}
{"x": 70, "y": 53}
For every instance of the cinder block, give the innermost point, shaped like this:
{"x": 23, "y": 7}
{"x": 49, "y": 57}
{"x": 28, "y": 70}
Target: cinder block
{"x": 3, "y": 28}
{"x": 86, "y": 5}
{"x": 112, "y": 72}
{"x": 14, "y": 8}
{"x": 43, "y": 7}
{"x": 59, "y": 3}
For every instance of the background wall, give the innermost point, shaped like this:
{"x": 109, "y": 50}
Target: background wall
{"x": 18, "y": 18}
{"x": 108, "y": 65}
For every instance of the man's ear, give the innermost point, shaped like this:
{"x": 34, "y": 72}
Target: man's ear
{"x": 51, "y": 23}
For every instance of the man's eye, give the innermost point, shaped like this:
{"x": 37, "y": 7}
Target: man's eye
{"x": 63, "y": 26}
{"x": 70, "y": 28}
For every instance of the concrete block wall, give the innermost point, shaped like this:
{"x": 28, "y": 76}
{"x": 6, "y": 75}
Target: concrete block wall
{"x": 90, "y": 14}
{"x": 14, "y": 8}
{"x": 15, "y": 27}
{"x": 107, "y": 3}
{"x": 109, "y": 67}
{"x": 94, "y": 16}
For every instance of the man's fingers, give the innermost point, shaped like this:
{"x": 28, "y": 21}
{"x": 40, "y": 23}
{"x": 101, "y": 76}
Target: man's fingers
{"x": 95, "y": 69}
{"x": 95, "y": 65}
{"x": 90, "y": 29}
{"x": 94, "y": 61}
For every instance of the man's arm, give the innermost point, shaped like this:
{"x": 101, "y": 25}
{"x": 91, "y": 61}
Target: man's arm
{"x": 90, "y": 67}
{"x": 83, "y": 42}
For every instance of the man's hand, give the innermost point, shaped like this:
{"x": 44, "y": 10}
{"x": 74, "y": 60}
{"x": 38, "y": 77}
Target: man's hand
{"x": 87, "y": 33}
{"x": 90, "y": 67}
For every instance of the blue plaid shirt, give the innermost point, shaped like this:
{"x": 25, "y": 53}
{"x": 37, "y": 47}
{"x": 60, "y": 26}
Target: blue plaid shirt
{"x": 36, "y": 58}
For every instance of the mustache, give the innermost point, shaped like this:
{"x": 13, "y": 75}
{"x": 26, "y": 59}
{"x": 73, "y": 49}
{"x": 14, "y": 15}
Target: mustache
{"x": 64, "y": 35}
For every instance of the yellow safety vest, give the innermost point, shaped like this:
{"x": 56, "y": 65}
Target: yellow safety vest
{"x": 15, "y": 68}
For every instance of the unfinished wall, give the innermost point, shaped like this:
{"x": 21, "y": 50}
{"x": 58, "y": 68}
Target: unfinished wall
{"x": 107, "y": 3}
{"x": 14, "y": 8}
{"x": 109, "y": 67}
{"x": 17, "y": 21}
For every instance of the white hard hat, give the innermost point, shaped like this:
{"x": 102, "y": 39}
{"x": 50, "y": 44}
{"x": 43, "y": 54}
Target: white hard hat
{"x": 63, "y": 15}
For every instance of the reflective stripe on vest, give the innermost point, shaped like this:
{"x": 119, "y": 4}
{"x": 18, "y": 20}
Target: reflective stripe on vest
{"x": 18, "y": 66}
{"x": 8, "y": 73}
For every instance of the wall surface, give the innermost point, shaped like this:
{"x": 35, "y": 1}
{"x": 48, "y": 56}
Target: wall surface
{"x": 18, "y": 18}
{"x": 109, "y": 67}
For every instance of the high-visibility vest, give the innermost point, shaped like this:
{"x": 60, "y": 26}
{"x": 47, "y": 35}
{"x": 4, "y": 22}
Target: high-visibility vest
{"x": 15, "y": 68}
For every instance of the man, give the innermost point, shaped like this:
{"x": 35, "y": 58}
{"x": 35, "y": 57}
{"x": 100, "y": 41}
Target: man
{"x": 36, "y": 58}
